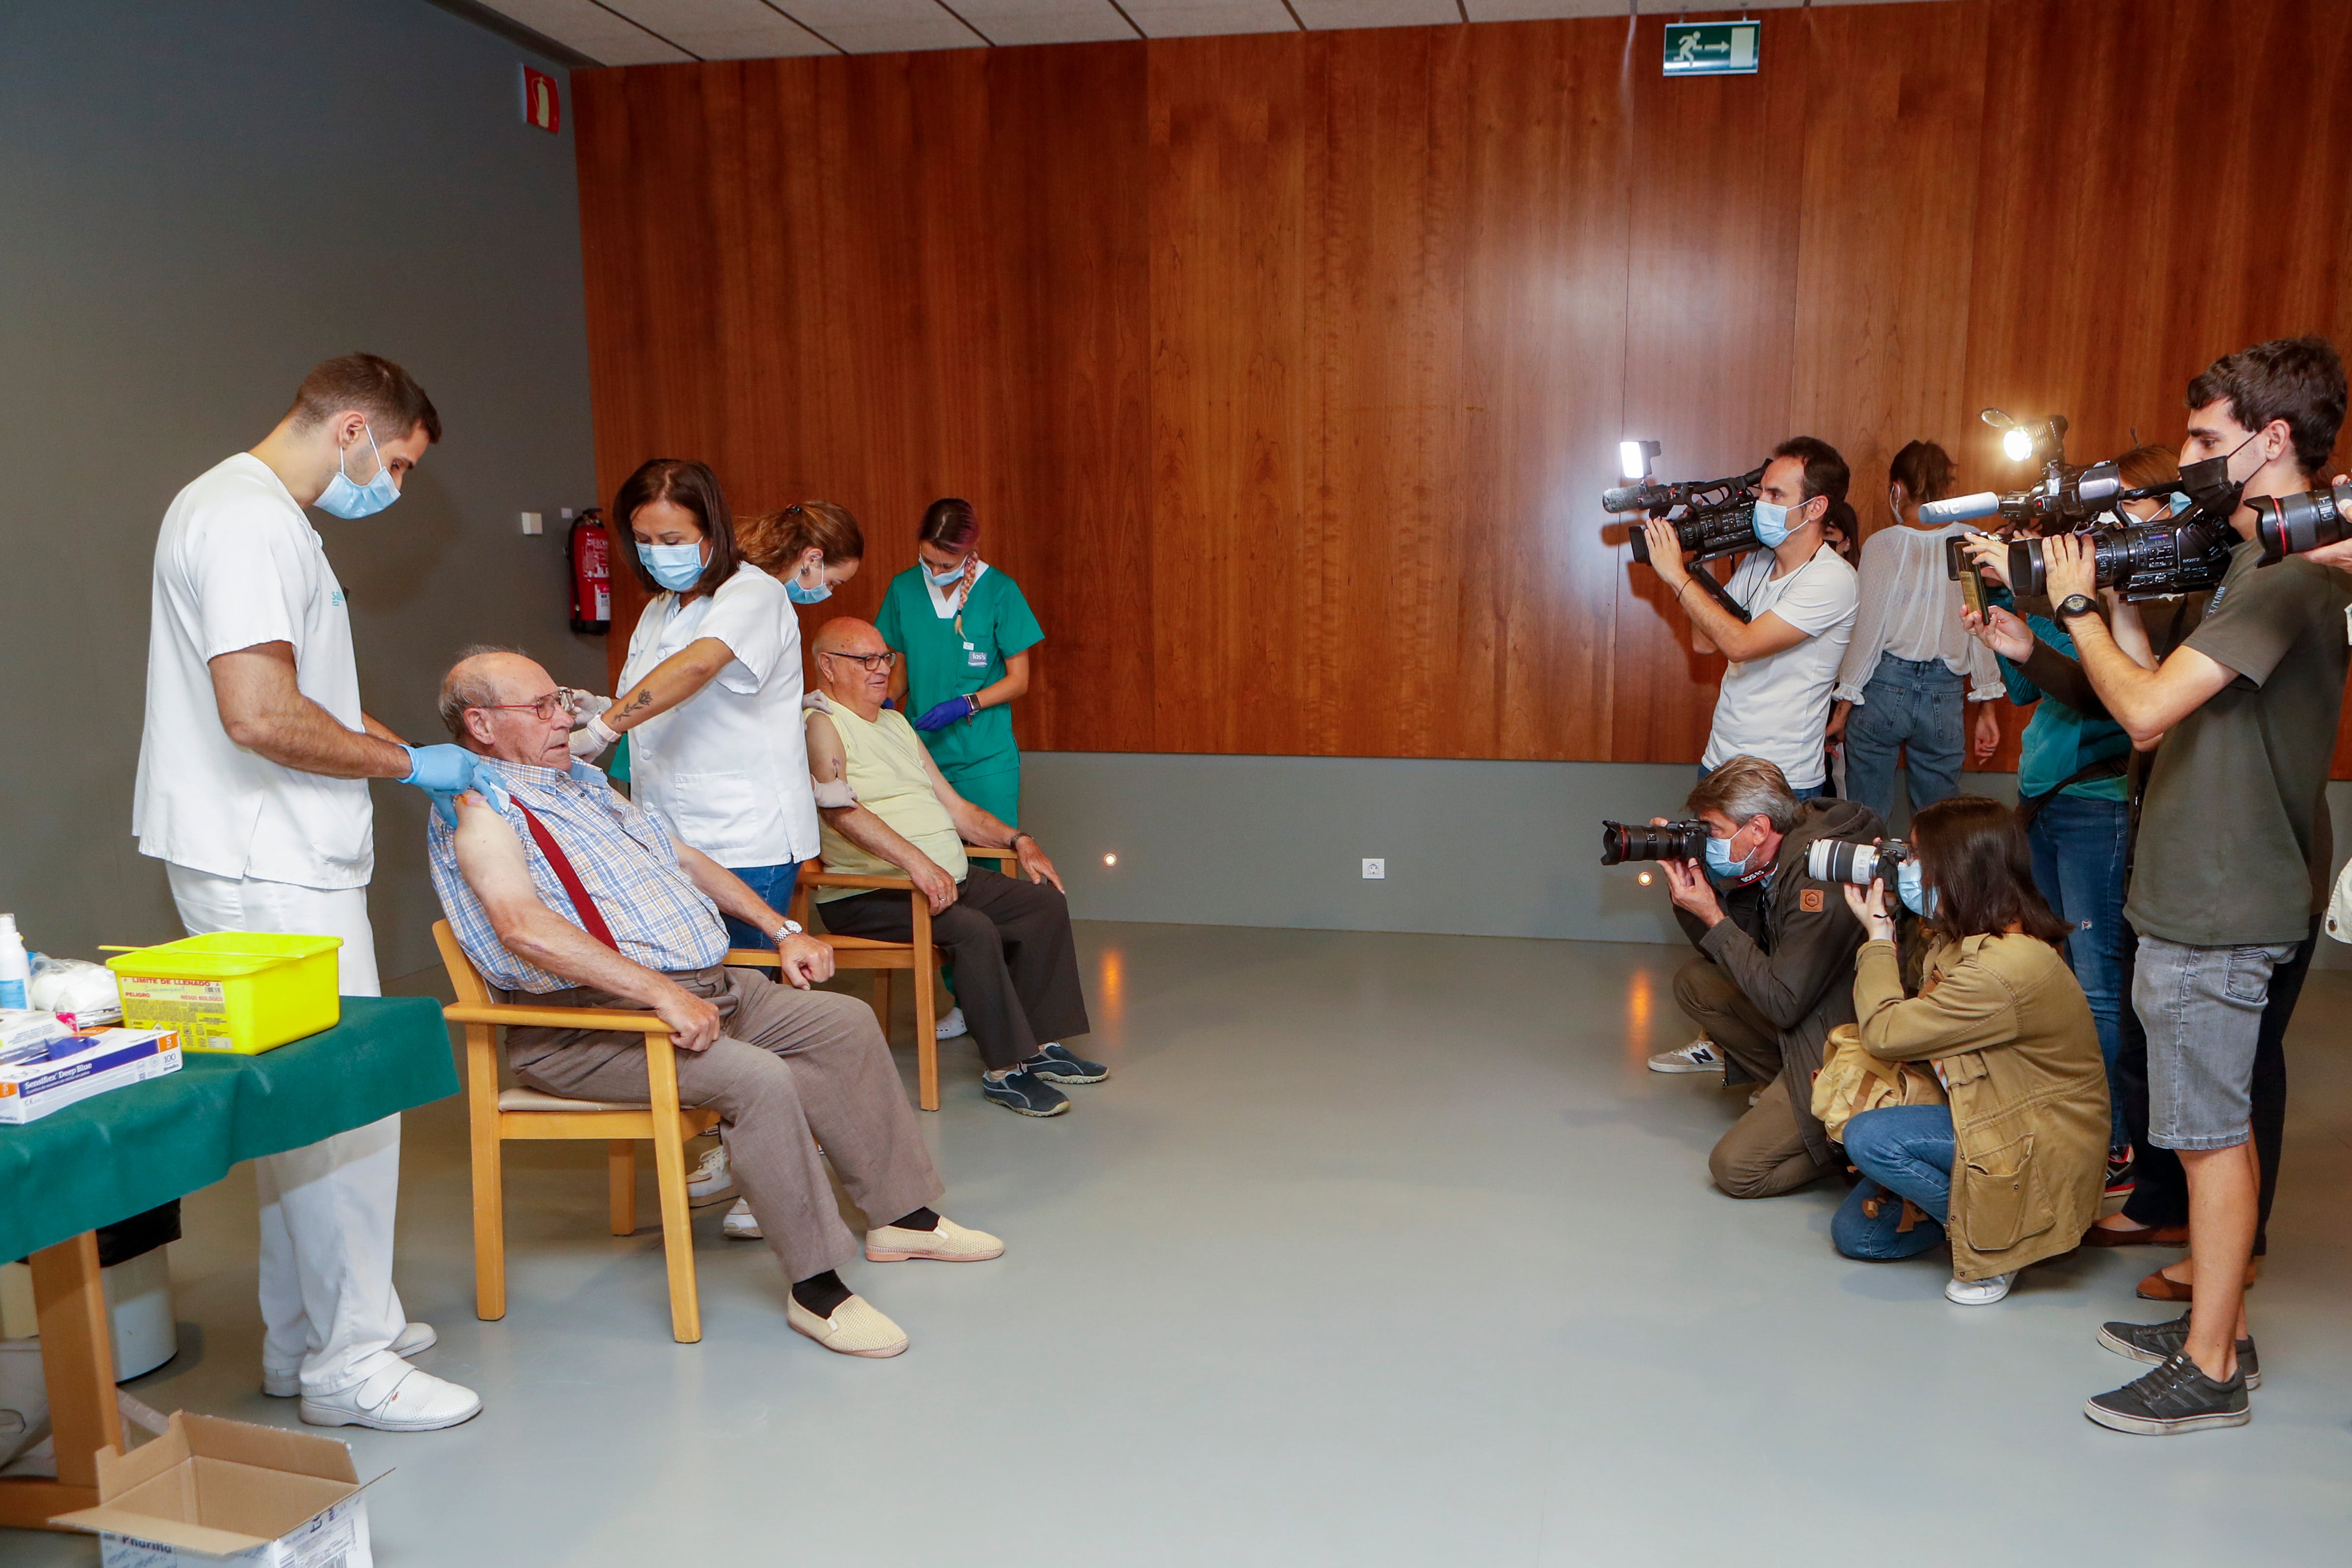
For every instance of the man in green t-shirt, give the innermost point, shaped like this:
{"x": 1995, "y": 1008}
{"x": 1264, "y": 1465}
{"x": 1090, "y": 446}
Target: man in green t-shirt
{"x": 2220, "y": 892}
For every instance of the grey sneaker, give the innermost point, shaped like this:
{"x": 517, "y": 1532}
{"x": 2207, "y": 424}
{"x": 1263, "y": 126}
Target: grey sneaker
{"x": 1056, "y": 1063}
{"x": 2158, "y": 1342}
{"x": 1699, "y": 1056}
{"x": 2176, "y": 1397}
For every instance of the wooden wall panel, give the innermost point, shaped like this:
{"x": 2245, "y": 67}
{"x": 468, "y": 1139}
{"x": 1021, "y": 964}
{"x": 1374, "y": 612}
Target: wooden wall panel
{"x": 1285, "y": 370}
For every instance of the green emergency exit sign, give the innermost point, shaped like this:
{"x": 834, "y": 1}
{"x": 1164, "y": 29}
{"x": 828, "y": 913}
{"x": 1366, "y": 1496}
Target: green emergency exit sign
{"x": 1712, "y": 48}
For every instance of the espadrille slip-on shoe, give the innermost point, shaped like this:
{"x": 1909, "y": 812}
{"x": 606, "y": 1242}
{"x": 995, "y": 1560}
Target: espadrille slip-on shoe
{"x": 950, "y": 1243}
{"x": 856, "y": 1328}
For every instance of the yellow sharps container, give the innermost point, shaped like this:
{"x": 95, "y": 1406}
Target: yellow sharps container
{"x": 240, "y": 991}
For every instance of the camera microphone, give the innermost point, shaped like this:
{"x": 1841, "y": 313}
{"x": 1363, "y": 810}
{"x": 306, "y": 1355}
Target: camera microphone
{"x": 1961, "y": 509}
{"x": 1625, "y": 497}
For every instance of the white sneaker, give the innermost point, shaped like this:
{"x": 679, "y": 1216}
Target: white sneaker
{"x": 739, "y": 1223}
{"x": 951, "y": 1026}
{"x": 1699, "y": 1056}
{"x": 712, "y": 1182}
{"x": 398, "y": 1399}
{"x": 1978, "y": 1292}
{"x": 286, "y": 1382}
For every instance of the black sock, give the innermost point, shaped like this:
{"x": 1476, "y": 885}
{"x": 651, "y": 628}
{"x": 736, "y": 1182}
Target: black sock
{"x": 922, "y": 1219}
{"x": 821, "y": 1293}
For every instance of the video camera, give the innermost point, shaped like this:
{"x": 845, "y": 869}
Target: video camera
{"x": 2163, "y": 559}
{"x": 1835, "y": 860}
{"x": 1624, "y": 841}
{"x": 1711, "y": 518}
{"x": 2289, "y": 525}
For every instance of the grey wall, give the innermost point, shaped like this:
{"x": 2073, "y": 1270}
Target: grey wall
{"x": 1475, "y": 848}
{"x": 203, "y": 198}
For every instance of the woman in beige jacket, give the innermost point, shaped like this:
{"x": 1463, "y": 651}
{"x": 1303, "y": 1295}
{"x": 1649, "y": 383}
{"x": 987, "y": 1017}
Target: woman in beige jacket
{"x": 2012, "y": 1168}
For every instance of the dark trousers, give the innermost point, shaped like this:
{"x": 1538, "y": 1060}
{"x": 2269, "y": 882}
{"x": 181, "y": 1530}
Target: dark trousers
{"x": 1016, "y": 969}
{"x": 2161, "y": 1197}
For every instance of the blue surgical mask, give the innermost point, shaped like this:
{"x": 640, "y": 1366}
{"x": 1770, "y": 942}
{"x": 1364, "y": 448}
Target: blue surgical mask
{"x": 947, "y": 579}
{"x": 1720, "y": 863}
{"x": 677, "y": 567}
{"x": 817, "y": 595}
{"x": 1771, "y": 524}
{"x": 343, "y": 498}
{"x": 1918, "y": 901}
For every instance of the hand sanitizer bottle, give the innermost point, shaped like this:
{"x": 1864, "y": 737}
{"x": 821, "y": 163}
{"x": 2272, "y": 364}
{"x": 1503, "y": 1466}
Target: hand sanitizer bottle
{"x": 15, "y": 969}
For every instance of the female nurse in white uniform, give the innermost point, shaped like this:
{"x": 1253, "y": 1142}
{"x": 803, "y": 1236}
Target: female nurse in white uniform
{"x": 710, "y": 695}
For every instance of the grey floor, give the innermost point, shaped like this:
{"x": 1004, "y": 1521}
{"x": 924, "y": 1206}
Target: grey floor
{"x": 1376, "y": 1249}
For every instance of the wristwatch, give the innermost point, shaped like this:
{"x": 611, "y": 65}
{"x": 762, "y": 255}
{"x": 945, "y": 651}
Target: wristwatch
{"x": 2077, "y": 605}
{"x": 790, "y": 928}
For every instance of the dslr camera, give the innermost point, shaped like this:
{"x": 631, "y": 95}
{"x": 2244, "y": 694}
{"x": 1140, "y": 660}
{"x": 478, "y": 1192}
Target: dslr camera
{"x": 2289, "y": 525}
{"x": 1835, "y": 860}
{"x": 1624, "y": 841}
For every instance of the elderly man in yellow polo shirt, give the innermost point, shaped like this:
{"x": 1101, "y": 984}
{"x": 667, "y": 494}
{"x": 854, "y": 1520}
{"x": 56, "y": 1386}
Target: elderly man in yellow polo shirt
{"x": 887, "y": 808}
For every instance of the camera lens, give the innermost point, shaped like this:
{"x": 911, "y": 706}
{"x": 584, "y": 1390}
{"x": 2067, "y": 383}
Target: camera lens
{"x": 2289, "y": 525}
{"x": 1624, "y": 841}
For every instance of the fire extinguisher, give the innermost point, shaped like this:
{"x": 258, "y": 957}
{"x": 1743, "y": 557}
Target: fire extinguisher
{"x": 589, "y": 551}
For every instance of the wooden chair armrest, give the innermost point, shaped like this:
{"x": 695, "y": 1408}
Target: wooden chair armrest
{"x": 979, "y": 852}
{"x": 843, "y": 879}
{"x": 516, "y": 1016}
{"x": 750, "y": 958}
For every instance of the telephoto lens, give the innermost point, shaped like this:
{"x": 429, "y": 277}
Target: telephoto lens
{"x": 2289, "y": 525}
{"x": 1834, "y": 860}
{"x": 1622, "y": 841}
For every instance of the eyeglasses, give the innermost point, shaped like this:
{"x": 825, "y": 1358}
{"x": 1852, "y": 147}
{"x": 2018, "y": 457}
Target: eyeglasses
{"x": 875, "y": 663}
{"x": 562, "y": 699}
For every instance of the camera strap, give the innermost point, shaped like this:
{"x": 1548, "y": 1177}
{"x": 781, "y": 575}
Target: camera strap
{"x": 2029, "y": 806}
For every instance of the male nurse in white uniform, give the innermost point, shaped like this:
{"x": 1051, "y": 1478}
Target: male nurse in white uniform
{"x": 253, "y": 774}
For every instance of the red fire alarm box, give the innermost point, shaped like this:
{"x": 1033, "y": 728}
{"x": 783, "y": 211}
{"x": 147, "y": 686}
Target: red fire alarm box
{"x": 542, "y": 100}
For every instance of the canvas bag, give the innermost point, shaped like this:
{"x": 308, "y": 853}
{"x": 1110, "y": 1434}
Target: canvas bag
{"x": 1852, "y": 1082}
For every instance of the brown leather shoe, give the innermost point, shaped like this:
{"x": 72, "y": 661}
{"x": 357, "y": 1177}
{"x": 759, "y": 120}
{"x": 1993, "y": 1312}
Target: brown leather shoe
{"x": 2146, "y": 1236}
{"x": 2157, "y": 1287}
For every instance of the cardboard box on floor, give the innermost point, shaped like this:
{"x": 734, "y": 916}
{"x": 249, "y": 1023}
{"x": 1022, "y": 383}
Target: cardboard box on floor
{"x": 210, "y": 1491}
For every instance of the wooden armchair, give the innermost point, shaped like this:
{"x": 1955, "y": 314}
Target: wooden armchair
{"x": 499, "y": 1115}
{"x": 883, "y": 957}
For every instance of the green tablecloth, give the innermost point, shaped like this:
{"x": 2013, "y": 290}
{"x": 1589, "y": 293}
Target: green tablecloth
{"x": 123, "y": 1153}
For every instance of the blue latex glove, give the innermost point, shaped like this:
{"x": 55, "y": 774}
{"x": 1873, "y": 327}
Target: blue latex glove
{"x": 443, "y": 772}
{"x": 947, "y": 712}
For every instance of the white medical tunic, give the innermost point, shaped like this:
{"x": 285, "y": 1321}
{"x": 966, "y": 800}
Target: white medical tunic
{"x": 238, "y": 564}
{"x": 727, "y": 769}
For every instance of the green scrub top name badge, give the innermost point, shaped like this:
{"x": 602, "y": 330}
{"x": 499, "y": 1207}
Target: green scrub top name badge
{"x": 1713, "y": 49}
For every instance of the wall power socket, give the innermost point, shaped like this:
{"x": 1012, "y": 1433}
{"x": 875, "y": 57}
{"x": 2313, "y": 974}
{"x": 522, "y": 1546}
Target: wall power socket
{"x": 1376, "y": 871}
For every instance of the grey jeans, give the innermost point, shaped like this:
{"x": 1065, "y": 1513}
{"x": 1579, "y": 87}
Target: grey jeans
{"x": 2202, "y": 1010}
{"x": 791, "y": 1069}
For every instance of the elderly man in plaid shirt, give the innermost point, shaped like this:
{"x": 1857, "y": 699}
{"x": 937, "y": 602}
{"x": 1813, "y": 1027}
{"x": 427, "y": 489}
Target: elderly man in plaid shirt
{"x": 558, "y": 887}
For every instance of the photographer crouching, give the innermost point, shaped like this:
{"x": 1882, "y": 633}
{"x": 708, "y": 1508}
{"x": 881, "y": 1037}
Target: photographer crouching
{"x": 1775, "y": 970}
{"x": 2246, "y": 711}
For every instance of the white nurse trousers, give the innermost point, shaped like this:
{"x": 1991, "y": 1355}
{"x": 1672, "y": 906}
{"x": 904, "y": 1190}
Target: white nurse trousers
{"x": 326, "y": 1301}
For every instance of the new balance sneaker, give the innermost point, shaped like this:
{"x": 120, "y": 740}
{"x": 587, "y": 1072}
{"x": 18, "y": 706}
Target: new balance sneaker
{"x": 1699, "y": 1056}
{"x": 1978, "y": 1292}
{"x": 1056, "y": 1063}
{"x": 1023, "y": 1092}
{"x": 712, "y": 1182}
{"x": 739, "y": 1225}
{"x": 286, "y": 1382}
{"x": 2157, "y": 1344}
{"x": 951, "y": 1026}
{"x": 2122, "y": 1168}
{"x": 2176, "y": 1397}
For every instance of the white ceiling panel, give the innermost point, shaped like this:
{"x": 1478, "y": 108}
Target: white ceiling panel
{"x": 723, "y": 29}
{"x": 1197, "y": 18}
{"x": 1323, "y": 16}
{"x": 882, "y": 26}
{"x": 592, "y": 30}
{"x": 1016, "y": 22}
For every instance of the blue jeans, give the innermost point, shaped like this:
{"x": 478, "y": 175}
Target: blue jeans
{"x": 1810, "y": 791}
{"x": 2078, "y": 870}
{"x": 1902, "y": 1152}
{"x": 774, "y": 886}
{"x": 1916, "y": 707}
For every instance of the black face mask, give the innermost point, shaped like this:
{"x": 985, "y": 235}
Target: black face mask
{"x": 2208, "y": 484}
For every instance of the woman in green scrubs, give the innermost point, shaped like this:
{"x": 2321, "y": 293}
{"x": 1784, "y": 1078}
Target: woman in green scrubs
{"x": 964, "y": 633}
